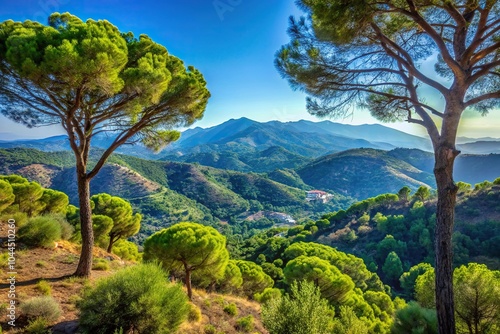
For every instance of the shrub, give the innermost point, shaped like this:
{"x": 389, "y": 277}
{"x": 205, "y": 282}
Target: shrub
{"x": 231, "y": 309}
{"x": 135, "y": 298}
{"x": 100, "y": 264}
{"x": 245, "y": 323}
{"x": 4, "y": 259}
{"x": 67, "y": 229}
{"x": 303, "y": 311}
{"x": 209, "y": 329}
{"x": 267, "y": 294}
{"x": 194, "y": 314}
{"x": 41, "y": 264}
{"x": 45, "y": 307}
{"x": 349, "y": 323}
{"x": 40, "y": 231}
{"x": 127, "y": 250}
{"x": 21, "y": 218}
{"x": 37, "y": 326}
{"x": 44, "y": 287}
{"x": 415, "y": 319}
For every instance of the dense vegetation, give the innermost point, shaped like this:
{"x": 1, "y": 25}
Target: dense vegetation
{"x": 381, "y": 246}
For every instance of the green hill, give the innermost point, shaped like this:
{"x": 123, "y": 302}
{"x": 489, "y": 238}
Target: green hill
{"x": 363, "y": 173}
{"x": 244, "y": 159}
{"x": 169, "y": 192}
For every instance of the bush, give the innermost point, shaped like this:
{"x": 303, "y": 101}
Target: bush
{"x": 44, "y": 287}
{"x": 127, "y": 250}
{"x": 303, "y": 311}
{"x": 267, "y": 294}
{"x": 194, "y": 314}
{"x": 349, "y": 323}
{"x": 100, "y": 264}
{"x": 37, "y": 326}
{"x": 231, "y": 309}
{"x": 415, "y": 319}
{"x": 45, "y": 307}
{"x": 135, "y": 298}
{"x": 210, "y": 329}
{"x": 40, "y": 232}
{"x": 245, "y": 323}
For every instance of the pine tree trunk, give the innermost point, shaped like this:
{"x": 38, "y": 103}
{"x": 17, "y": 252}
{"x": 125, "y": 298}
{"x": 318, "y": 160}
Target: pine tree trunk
{"x": 447, "y": 191}
{"x": 111, "y": 243}
{"x": 85, "y": 263}
{"x": 188, "y": 284}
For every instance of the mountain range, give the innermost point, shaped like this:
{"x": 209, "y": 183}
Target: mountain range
{"x": 243, "y": 166}
{"x": 242, "y": 144}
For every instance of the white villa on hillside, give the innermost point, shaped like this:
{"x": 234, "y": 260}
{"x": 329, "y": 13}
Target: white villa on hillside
{"x": 318, "y": 195}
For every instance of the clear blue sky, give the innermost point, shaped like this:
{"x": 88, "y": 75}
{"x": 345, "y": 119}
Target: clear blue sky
{"x": 232, "y": 42}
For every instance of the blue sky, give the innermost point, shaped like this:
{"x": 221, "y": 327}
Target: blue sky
{"x": 232, "y": 42}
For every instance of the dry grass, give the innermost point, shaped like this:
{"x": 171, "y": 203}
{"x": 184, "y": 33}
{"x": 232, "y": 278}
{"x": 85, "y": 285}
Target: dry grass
{"x": 52, "y": 266}
{"x": 212, "y": 310}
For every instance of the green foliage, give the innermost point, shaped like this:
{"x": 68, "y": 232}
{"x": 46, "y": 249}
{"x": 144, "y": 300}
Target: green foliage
{"x": 334, "y": 285}
{"x": 194, "y": 314}
{"x": 231, "y": 309}
{"x": 28, "y": 198}
{"x": 45, "y": 307}
{"x": 477, "y": 296}
{"x": 274, "y": 272}
{"x": 482, "y": 185}
{"x": 322, "y": 224}
{"x": 135, "y": 298}
{"x": 96, "y": 55}
{"x": 364, "y": 219}
{"x": 408, "y": 279}
{"x": 422, "y": 193}
{"x": 44, "y": 287}
{"x": 464, "y": 187}
{"x": 381, "y": 303}
{"x": 267, "y": 294}
{"x": 40, "y": 231}
{"x": 125, "y": 223}
{"x": 346, "y": 263}
{"x": 37, "y": 326}
{"x": 100, "y": 264}
{"x": 424, "y": 289}
{"x": 54, "y": 201}
{"x": 393, "y": 268}
{"x": 232, "y": 279}
{"x": 101, "y": 226}
{"x": 303, "y": 311}
{"x": 209, "y": 329}
{"x": 127, "y": 250}
{"x": 245, "y": 324}
{"x": 404, "y": 194}
{"x": 189, "y": 247}
{"x": 254, "y": 278}
{"x": 414, "y": 319}
{"x": 349, "y": 323}
{"x": 6, "y": 195}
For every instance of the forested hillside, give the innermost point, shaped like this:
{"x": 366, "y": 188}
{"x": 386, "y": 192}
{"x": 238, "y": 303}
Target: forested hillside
{"x": 366, "y": 262}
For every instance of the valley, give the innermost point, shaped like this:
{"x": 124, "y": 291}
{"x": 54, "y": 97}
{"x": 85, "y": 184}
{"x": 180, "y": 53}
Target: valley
{"x": 239, "y": 168}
